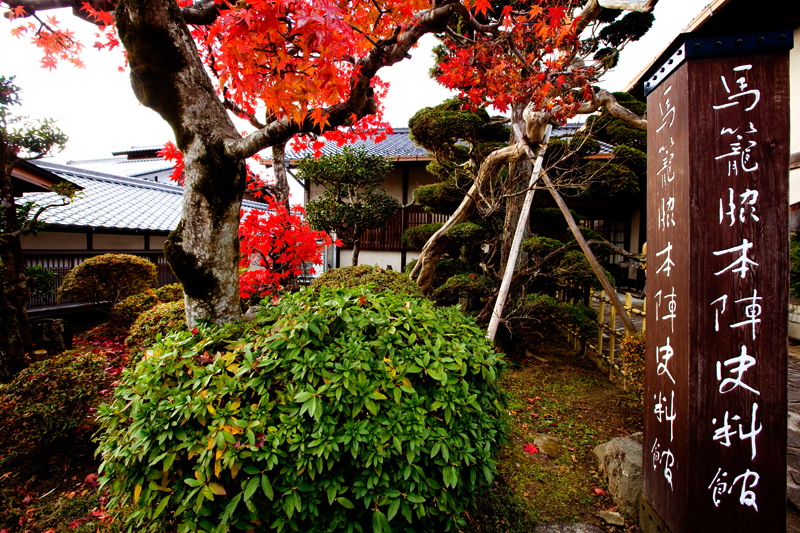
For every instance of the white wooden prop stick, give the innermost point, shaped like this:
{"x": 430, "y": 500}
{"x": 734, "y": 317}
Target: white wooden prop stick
{"x": 517, "y": 242}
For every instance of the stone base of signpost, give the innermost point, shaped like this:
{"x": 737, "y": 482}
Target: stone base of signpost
{"x": 649, "y": 521}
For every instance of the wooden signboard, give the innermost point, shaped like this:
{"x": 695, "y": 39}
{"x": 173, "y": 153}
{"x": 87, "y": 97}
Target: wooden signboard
{"x": 717, "y": 288}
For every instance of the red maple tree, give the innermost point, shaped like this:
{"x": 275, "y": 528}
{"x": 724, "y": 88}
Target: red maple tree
{"x": 276, "y": 247}
{"x": 290, "y": 67}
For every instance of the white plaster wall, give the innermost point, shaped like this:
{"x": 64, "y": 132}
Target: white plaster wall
{"x": 157, "y": 243}
{"x": 101, "y": 241}
{"x": 382, "y": 259}
{"x": 52, "y": 240}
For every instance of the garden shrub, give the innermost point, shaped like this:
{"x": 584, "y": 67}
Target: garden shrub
{"x": 540, "y": 247}
{"x": 794, "y": 265}
{"x": 46, "y": 400}
{"x": 330, "y": 411}
{"x": 576, "y": 316}
{"x": 109, "y": 277}
{"x": 632, "y": 353}
{"x": 129, "y": 309}
{"x": 416, "y": 237}
{"x": 464, "y": 285}
{"x": 365, "y": 275}
{"x": 467, "y": 233}
{"x": 155, "y": 323}
{"x": 40, "y": 281}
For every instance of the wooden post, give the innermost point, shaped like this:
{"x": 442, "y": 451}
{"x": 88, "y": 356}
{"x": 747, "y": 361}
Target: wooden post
{"x": 644, "y": 315}
{"x": 628, "y": 307}
{"x": 516, "y": 244}
{"x": 598, "y": 270}
{"x": 601, "y": 321}
{"x": 611, "y": 342}
{"x": 717, "y": 275}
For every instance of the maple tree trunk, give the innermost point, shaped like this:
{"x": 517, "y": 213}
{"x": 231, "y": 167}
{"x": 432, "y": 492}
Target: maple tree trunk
{"x": 518, "y": 175}
{"x": 168, "y": 76}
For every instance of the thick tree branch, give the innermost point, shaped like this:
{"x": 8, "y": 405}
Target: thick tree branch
{"x": 203, "y": 13}
{"x": 603, "y": 98}
{"x": 359, "y": 103}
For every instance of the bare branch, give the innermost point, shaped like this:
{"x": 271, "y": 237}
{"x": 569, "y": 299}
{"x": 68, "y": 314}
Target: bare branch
{"x": 603, "y": 98}
{"x": 645, "y": 6}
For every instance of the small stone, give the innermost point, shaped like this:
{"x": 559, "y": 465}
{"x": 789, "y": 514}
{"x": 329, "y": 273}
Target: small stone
{"x": 615, "y": 519}
{"x": 548, "y": 445}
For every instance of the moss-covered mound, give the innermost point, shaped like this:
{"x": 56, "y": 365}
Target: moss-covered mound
{"x": 379, "y": 279}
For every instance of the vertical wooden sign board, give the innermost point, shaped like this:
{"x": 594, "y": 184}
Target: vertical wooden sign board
{"x": 717, "y": 287}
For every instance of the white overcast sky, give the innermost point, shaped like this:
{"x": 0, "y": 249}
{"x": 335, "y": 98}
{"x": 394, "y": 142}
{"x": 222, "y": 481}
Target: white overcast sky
{"x": 97, "y": 109}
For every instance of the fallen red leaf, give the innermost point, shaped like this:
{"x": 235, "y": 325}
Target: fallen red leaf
{"x": 599, "y": 491}
{"x": 531, "y": 448}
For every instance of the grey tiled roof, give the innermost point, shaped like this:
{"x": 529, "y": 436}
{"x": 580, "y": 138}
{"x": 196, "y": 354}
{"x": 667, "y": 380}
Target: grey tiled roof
{"x": 115, "y": 202}
{"x": 122, "y": 166}
{"x": 396, "y": 145}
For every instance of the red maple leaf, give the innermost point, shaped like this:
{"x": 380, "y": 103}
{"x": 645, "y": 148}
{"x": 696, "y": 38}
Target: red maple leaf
{"x": 531, "y": 448}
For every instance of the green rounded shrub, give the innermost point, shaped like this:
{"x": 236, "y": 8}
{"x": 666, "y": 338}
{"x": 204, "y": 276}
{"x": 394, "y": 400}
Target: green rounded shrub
{"x": 155, "y": 323}
{"x": 365, "y": 275}
{"x": 468, "y": 233}
{"x": 46, "y": 400}
{"x": 333, "y": 411}
{"x": 128, "y": 310}
{"x": 109, "y": 277}
{"x": 416, "y": 237}
{"x": 577, "y": 316}
{"x": 464, "y": 285}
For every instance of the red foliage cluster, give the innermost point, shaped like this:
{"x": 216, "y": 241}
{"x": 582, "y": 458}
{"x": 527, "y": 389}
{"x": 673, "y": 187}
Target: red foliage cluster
{"x": 275, "y": 246}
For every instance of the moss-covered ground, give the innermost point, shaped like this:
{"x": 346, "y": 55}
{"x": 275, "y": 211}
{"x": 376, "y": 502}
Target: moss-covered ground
{"x": 553, "y": 391}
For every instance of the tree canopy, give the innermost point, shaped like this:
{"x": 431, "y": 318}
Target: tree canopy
{"x": 306, "y": 68}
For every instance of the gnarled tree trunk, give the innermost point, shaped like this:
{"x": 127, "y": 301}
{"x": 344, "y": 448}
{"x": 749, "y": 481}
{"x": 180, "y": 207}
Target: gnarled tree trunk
{"x": 518, "y": 175}
{"x": 168, "y": 77}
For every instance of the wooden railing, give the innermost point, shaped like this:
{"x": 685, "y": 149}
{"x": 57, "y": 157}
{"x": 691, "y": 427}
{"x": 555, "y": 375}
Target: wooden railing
{"x": 388, "y": 237}
{"x": 608, "y": 326}
{"x": 62, "y": 262}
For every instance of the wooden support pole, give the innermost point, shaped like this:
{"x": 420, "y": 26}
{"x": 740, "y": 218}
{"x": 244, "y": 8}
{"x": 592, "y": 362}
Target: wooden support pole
{"x": 601, "y": 321}
{"x": 598, "y": 270}
{"x": 517, "y": 242}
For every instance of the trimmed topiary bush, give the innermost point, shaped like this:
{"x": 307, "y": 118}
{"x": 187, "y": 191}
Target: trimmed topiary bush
{"x": 46, "y": 400}
{"x": 577, "y": 316}
{"x": 364, "y": 275}
{"x": 416, "y": 237}
{"x": 128, "y": 310}
{"x": 464, "y": 285}
{"x": 156, "y": 323}
{"x": 333, "y": 411}
{"x": 468, "y": 233}
{"x": 109, "y": 277}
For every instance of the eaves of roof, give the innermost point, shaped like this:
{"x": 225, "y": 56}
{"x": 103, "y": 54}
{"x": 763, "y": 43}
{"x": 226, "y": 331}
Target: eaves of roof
{"x": 115, "y": 203}
{"x": 724, "y": 16}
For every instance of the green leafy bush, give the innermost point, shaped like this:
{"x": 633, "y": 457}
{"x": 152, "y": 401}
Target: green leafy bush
{"x": 40, "y": 281}
{"x": 794, "y": 265}
{"x": 578, "y": 316}
{"x": 331, "y": 411}
{"x": 632, "y": 353}
{"x": 129, "y": 309}
{"x": 416, "y": 237}
{"x": 467, "y": 233}
{"x": 540, "y": 247}
{"x": 463, "y": 285}
{"x": 46, "y": 400}
{"x": 365, "y": 275}
{"x": 155, "y": 323}
{"x": 109, "y": 277}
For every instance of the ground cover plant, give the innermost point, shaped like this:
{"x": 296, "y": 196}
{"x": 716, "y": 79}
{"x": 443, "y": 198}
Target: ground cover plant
{"x": 330, "y": 411}
{"x": 377, "y": 278}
